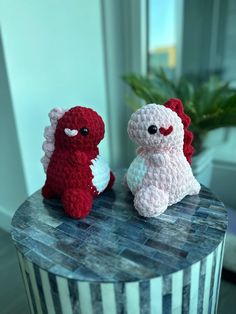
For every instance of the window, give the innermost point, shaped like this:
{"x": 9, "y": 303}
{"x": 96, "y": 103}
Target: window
{"x": 162, "y": 36}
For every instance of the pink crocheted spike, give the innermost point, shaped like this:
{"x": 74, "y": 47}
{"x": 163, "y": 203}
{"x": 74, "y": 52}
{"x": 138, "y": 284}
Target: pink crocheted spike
{"x": 49, "y": 133}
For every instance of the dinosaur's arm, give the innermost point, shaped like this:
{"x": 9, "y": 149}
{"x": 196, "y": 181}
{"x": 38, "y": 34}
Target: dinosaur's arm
{"x": 139, "y": 150}
{"x": 78, "y": 158}
{"x": 160, "y": 160}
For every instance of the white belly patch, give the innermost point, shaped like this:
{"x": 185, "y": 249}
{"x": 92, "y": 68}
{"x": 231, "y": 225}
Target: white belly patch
{"x": 101, "y": 173}
{"x": 136, "y": 173}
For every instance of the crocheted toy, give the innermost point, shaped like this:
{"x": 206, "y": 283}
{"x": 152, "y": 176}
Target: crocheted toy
{"x": 76, "y": 172}
{"x": 160, "y": 175}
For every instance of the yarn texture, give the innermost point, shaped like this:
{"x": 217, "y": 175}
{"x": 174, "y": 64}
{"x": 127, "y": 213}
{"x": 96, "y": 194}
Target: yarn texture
{"x": 161, "y": 174}
{"x": 75, "y": 171}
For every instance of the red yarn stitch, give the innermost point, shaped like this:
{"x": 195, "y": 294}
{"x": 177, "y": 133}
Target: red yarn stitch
{"x": 69, "y": 175}
{"x": 176, "y": 105}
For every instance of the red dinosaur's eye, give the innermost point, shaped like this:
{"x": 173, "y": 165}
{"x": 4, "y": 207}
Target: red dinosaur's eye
{"x": 84, "y": 131}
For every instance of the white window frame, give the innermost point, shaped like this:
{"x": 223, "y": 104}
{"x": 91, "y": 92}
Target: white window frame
{"x": 125, "y": 51}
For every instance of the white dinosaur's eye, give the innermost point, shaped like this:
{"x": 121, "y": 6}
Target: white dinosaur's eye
{"x": 152, "y": 129}
{"x": 70, "y": 132}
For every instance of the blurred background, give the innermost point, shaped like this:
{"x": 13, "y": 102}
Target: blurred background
{"x": 64, "y": 53}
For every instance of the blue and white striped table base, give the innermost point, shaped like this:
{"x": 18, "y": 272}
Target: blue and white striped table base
{"x": 193, "y": 290}
{"x": 116, "y": 262}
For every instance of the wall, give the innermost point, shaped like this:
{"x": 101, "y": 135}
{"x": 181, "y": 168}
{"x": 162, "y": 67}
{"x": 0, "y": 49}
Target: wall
{"x": 215, "y": 167}
{"x": 210, "y": 25}
{"x": 229, "y": 42}
{"x": 223, "y": 180}
{"x": 125, "y": 51}
{"x": 12, "y": 183}
{"x": 54, "y": 57}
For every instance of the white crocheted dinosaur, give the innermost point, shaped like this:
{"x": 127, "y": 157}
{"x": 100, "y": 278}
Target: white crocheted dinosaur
{"x": 160, "y": 175}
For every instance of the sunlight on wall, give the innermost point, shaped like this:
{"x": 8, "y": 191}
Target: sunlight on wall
{"x": 54, "y": 58}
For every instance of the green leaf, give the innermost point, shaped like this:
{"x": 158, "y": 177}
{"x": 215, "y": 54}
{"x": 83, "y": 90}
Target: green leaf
{"x": 211, "y": 95}
{"x": 230, "y": 103}
{"x": 133, "y": 102}
{"x": 222, "y": 118}
{"x": 145, "y": 89}
{"x": 185, "y": 91}
{"x": 171, "y": 84}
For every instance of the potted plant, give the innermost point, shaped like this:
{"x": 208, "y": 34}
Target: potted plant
{"x": 210, "y": 104}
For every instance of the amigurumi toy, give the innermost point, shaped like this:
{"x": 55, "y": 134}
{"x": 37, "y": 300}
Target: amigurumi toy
{"x": 160, "y": 175}
{"x": 76, "y": 172}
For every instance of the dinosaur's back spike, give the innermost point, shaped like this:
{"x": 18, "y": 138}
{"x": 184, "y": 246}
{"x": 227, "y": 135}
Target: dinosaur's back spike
{"x": 176, "y": 105}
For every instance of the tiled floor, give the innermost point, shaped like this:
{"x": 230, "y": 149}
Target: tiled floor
{"x": 227, "y": 302}
{"x": 12, "y": 294}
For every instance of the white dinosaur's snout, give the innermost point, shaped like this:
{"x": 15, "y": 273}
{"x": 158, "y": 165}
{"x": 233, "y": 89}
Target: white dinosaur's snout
{"x": 70, "y": 132}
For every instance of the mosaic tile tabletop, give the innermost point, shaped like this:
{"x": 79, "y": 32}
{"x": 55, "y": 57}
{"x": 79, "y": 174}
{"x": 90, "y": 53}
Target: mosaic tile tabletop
{"x": 114, "y": 243}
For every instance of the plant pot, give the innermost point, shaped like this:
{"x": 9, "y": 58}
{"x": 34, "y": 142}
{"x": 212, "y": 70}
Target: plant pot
{"x": 230, "y": 244}
{"x": 202, "y": 166}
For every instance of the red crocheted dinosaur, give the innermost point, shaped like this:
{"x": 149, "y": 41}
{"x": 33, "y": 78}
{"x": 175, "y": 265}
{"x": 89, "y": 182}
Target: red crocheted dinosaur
{"x": 75, "y": 171}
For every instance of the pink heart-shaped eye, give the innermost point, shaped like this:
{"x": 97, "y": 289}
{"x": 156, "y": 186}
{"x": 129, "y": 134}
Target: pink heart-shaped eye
{"x": 167, "y": 131}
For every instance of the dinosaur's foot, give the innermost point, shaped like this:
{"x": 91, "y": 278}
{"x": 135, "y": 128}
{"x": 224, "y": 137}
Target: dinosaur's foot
{"x": 111, "y": 181}
{"x": 151, "y": 201}
{"x": 47, "y": 192}
{"x": 77, "y": 202}
{"x": 195, "y": 188}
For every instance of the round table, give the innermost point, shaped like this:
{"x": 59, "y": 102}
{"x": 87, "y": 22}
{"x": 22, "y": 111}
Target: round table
{"x": 115, "y": 261}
